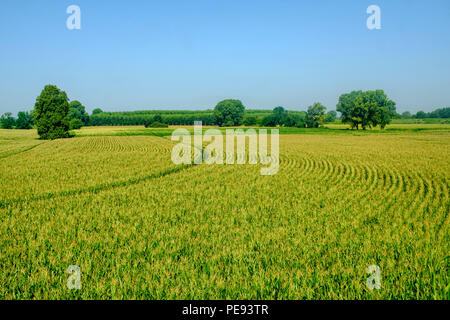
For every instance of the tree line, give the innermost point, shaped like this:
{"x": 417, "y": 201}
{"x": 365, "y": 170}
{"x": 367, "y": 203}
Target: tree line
{"x": 54, "y": 116}
{"x": 442, "y": 113}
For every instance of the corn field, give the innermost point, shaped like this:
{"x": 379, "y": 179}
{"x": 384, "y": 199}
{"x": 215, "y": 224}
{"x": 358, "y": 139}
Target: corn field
{"x": 140, "y": 227}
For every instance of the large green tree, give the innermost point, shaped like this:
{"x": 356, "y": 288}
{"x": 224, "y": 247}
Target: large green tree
{"x": 229, "y": 113}
{"x": 316, "y": 115}
{"x": 51, "y": 112}
{"x": 366, "y": 109}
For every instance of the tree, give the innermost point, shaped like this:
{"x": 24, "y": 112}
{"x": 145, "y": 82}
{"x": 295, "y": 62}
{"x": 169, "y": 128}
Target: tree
{"x": 280, "y": 115}
{"x": 366, "y": 109}
{"x": 331, "y": 116}
{"x": 381, "y": 109}
{"x": 433, "y": 114}
{"x": 316, "y": 115}
{"x": 406, "y": 115}
{"x": 75, "y": 123}
{"x": 397, "y": 116}
{"x": 78, "y": 111}
{"x": 346, "y": 106}
{"x": 439, "y": 113}
{"x": 51, "y": 113}
{"x": 96, "y": 111}
{"x": 268, "y": 121}
{"x": 229, "y": 113}
{"x": 297, "y": 119}
{"x": 249, "y": 121}
{"x": 420, "y": 115}
{"x": 24, "y": 120}
{"x": 444, "y": 112}
{"x": 7, "y": 121}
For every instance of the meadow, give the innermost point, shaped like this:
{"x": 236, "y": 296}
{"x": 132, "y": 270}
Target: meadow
{"x": 112, "y": 202}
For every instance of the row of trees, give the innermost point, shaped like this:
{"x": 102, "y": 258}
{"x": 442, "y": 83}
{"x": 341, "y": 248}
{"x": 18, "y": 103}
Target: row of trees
{"x": 313, "y": 118}
{"x": 54, "y": 116}
{"x": 24, "y": 120}
{"x": 443, "y": 113}
{"x": 77, "y": 115}
{"x": 232, "y": 113}
{"x": 139, "y": 118}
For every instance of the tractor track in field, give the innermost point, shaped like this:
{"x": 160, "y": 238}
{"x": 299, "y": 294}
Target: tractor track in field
{"x": 95, "y": 189}
{"x": 21, "y": 151}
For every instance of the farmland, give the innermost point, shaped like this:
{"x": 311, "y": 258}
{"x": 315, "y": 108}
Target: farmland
{"x": 112, "y": 202}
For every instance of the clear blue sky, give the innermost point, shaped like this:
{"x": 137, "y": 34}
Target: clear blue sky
{"x": 137, "y": 55}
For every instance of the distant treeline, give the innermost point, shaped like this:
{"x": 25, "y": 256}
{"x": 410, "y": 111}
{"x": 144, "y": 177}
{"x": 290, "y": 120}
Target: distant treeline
{"x": 359, "y": 109}
{"x": 175, "y": 117}
{"x": 143, "y": 117}
{"x": 186, "y": 117}
{"x": 54, "y": 115}
{"x": 443, "y": 113}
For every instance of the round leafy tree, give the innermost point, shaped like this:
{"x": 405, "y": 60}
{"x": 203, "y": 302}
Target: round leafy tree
{"x": 316, "y": 115}
{"x": 97, "y": 110}
{"x": 229, "y": 113}
{"x": 78, "y": 111}
{"x": 366, "y": 109}
{"x": 51, "y": 113}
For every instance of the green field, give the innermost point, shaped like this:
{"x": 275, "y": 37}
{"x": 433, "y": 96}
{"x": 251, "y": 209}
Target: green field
{"x": 112, "y": 202}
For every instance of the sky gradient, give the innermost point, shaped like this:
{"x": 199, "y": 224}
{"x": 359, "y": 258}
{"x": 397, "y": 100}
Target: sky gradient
{"x": 139, "y": 55}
